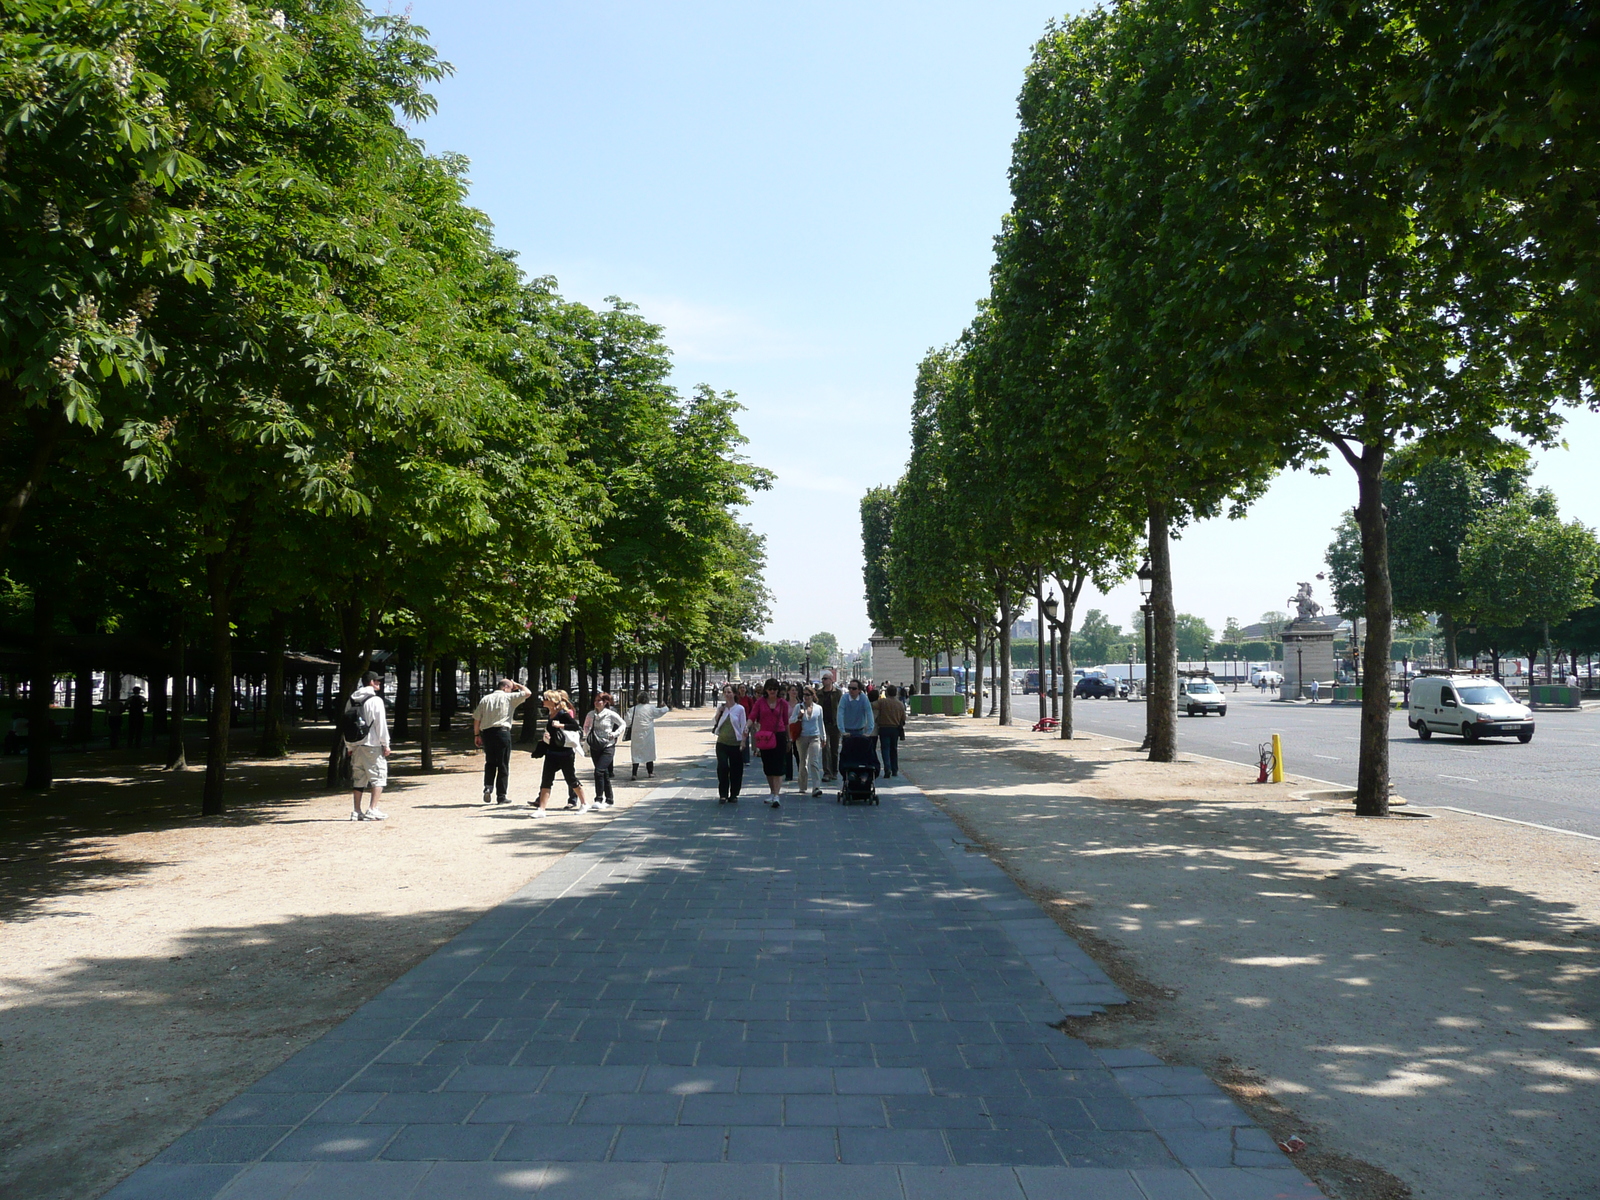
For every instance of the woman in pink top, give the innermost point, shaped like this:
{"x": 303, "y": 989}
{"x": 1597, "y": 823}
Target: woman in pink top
{"x": 769, "y": 718}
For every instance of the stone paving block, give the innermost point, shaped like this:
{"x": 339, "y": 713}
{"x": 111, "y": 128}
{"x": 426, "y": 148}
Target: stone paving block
{"x": 556, "y": 1143}
{"x": 628, "y": 1108}
{"x": 1093, "y": 1148}
{"x": 1078, "y": 1183}
{"x": 1115, "y": 1114}
{"x": 524, "y": 1109}
{"x": 591, "y": 1079}
{"x": 787, "y": 1080}
{"x": 1235, "y": 1183}
{"x": 223, "y": 1144}
{"x": 833, "y": 1110}
{"x": 455, "y": 1143}
{"x": 1191, "y": 1113}
{"x": 720, "y": 1108}
{"x": 268, "y": 1108}
{"x": 936, "y": 1112}
{"x": 480, "y": 1181}
{"x": 842, "y": 1182}
{"x": 880, "y": 1081}
{"x": 174, "y": 1181}
{"x": 407, "y": 1108}
{"x": 1024, "y": 1147}
{"x": 265, "y": 1181}
{"x": 669, "y": 1143}
{"x": 360, "y": 1181}
{"x": 690, "y": 1080}
{"x": 333, "y": 1143}
{"x": 721, "y": 1181}
{"x": 960, "y": 1183}
{"x": 917, "y": 1146}
{"x": 747, "y": 1143}
{"x": 1165, "y": 1081}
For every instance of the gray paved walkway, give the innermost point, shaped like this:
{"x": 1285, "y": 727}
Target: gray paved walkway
{"x": 841, "y": 1003}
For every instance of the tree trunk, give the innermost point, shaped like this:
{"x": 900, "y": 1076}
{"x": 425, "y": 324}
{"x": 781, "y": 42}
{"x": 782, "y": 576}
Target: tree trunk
{"x": 83, "y": 703}
{"x": 530, "y": 726}
{"x": 564, "y": 659}
{"x": 41, "y": 690}
{"x": 475, "y": 685}
{"x": 221, "y": 721}
{"x": 1162, "y": 672}
{"x": 605, "y": 669}
{"x": 580, "y": 653}
{"x": 425, "y": 718}
{"x": 1002, "y": 672}
{"x": 274, "y": 732}
{"x": 402, "y": 689}
{"x": 47, "y": 431}
{"x": 1069, "y": 603}
{"x": 177, "y": 748}
{"x": 447, "y": 692}
{"x": 158, "y": 702}
{"x": 975, "y": 681}
{"x": 1372, "y": 774}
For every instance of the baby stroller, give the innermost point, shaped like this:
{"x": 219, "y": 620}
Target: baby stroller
{"x": 858, "y": 767}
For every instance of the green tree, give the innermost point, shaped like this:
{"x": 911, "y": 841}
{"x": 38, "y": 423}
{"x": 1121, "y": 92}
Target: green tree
{"x": 1096, "y": 636}
{"x": 1523, "y": 565}
{"x": 1194, "y": 637}
{"x": 877, "y": 520}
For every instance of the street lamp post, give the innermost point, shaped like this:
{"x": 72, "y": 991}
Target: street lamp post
{"x": 1051, "y": 607}
{"x": 808, "y": 662}
{"x": 1300, "y": 673}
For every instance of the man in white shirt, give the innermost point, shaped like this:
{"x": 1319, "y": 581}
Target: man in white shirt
{"x": 491, "y": 730}
{"x": 366, "y": 714}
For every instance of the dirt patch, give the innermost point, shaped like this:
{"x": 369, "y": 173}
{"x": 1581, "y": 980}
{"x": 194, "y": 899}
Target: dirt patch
{"x": 156, "y": 963}
{"x": 1414, "y": 998}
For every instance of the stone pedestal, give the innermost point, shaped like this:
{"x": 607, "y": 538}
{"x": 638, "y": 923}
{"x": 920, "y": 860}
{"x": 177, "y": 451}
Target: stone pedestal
{"x": 1308, "y": 655}
{"x": 891, "y": 664}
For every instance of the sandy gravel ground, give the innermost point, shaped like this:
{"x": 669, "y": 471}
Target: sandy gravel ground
{"x": 1416, "y": 998}
{"x": 152, "y": 964}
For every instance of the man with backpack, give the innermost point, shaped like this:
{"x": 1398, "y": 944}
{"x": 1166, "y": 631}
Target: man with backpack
{"x": 364, "y": 725}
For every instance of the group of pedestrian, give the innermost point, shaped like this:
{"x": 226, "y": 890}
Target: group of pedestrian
{"x": 800, "y": 732}
{"x": 364, "y": 726}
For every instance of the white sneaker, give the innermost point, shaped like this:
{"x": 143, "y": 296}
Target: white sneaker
{"x": 585, "y": 807}
{"x": 356, "y": 816}
{"x": 374, "y": 815}
{"x": 537, "y": 811}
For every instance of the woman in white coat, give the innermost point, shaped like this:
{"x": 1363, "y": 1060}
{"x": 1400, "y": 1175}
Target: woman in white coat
{"x": 642, "y": 732}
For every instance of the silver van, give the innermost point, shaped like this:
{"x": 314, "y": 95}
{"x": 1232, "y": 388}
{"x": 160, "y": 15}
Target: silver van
{"x": 1470, "y": 705}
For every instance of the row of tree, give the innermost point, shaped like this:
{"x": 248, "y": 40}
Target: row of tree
{"x": 264, "y": 371}
{"x": 1245, "y": 238}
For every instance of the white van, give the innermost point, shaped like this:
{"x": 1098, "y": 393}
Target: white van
{"x": 1471, "y": 705}
{"x": 1200, "y": 697}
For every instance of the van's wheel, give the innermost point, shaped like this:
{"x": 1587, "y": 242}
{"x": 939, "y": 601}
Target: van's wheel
{"x": 1423, "y": 731}
{"x": 1468, "y": 733}
{"x": 1223, "y": 711}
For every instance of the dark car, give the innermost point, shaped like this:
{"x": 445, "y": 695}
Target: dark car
{"x": 1092, "y": 687}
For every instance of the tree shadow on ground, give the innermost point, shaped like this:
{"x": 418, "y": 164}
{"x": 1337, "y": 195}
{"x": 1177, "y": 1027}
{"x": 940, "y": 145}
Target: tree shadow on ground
{"x": 54, "y": 844}
{"x": 1388, "y": 1001}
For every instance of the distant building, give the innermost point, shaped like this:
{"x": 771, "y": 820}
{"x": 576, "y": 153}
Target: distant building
{"x": 1024, "y": 631}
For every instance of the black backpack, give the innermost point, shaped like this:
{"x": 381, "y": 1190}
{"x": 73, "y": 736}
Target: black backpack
{"x": 353, "y": 723}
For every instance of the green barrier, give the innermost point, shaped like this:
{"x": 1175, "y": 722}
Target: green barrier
{"x": 1544, "y": 695}
{"x": 938, "y": 706}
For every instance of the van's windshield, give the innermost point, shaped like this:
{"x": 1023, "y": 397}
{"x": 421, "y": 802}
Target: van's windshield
{"x": 1202, "y": 688}
{"x": 1484, "y": 693}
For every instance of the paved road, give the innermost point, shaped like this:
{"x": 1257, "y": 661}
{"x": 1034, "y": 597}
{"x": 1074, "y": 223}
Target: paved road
{"x": 705, "y": 1002}
{"x": 1553, "y": 780}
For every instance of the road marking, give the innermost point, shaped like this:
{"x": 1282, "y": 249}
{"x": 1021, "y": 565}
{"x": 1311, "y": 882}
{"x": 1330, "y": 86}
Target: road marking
{"x": 1458, "y": 778}
{"x": 1329, "y": 757}
{"x": 1472, "y": 812}
{"x": 1241, "y": 743}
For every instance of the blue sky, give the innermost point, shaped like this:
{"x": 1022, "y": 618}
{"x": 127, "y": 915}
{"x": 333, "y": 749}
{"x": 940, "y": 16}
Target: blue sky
{"x": 805, "y": 196}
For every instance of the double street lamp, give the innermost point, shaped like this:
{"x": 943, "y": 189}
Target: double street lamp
{"x": 1146, "y": 578}
{"x": 1051, "y": 607}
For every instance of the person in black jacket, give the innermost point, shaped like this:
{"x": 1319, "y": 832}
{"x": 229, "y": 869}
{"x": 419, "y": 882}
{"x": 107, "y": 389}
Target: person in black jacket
{"x": 560, "y": 751}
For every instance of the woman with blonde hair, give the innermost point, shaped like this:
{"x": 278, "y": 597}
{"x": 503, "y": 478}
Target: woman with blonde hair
{"x": 563, "y": 735}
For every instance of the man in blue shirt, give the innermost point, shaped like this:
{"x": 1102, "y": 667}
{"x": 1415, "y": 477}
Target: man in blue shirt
{"x": 855, "y": 712}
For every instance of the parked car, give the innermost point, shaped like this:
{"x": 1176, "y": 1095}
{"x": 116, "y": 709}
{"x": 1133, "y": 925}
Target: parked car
{"x": 1470, "y": 705}
{"x": 1200, "y": 697}
{"x": 1096, "y": 687}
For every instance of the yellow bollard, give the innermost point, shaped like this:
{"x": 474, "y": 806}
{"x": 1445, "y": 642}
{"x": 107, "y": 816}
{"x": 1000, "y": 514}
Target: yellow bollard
{"x": 1277, "y": 759}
